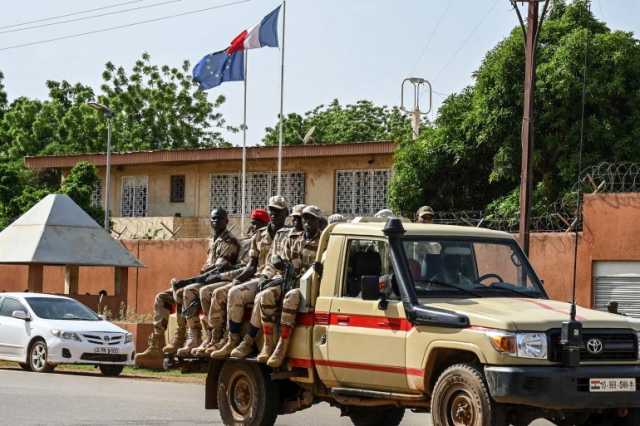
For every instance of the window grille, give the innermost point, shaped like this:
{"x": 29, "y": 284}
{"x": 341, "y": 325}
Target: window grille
{"x": 225, "y": 190}
{"x": 361, "y": 192}
{"x": 96, "y": 195}
{"x": 134, "y": 201}
{"x": 177, "y": 188}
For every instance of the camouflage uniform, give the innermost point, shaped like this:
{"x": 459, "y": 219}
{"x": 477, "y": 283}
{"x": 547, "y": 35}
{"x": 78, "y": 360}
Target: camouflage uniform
{"x": 223, "y": 253}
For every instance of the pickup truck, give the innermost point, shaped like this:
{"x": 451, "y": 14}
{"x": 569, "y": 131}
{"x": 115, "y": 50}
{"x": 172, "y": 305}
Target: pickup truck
{"x": 446, "y": 320}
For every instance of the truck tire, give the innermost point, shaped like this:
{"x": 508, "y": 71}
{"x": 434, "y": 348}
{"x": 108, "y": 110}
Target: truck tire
{"x": 376, "y": 416}
{"x": 111, "y": 370}
{"x": 246, "y": 395}
{"x": 460, "y": 398}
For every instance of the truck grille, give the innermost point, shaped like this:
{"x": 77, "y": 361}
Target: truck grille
{"x": 104, "y": 357}
{"x": 617, "y": 345}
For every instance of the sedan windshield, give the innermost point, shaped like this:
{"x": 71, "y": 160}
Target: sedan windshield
{"x": 470, "y": 268}
{"x": 61, "y": 309}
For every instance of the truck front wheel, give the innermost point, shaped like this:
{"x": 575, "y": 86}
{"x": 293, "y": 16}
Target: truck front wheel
{"x": 246, "y": 395}
{"x": 460, "y": 398}
{"x": 375, "y": 416}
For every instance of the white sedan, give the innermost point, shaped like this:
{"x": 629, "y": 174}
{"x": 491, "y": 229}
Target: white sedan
{"x": 41, "y": 330}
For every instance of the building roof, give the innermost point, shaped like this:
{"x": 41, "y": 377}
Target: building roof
{"x": 56, "y": 231}
{"x": 213, "y": 154}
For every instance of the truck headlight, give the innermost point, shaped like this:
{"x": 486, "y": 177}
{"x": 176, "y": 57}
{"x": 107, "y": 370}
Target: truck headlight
{"x": 66, "y": 335}
{"x": 521, "y": 345}
{"x": 128, "y": 338}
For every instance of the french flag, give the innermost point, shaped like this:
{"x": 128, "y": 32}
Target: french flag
{"x": 265, "y": 33}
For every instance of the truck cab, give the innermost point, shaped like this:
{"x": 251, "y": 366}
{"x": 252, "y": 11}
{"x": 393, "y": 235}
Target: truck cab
{"x": 443, "y": 319}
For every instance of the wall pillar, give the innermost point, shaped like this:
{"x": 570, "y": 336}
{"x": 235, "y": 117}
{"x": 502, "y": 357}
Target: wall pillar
{"x": 71, "y": 278}
{"x": 35, "y": 278}
{"x": 121, "y": 282}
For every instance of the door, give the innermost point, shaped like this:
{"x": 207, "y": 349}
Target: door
{"x": 617, "y": 282}
{"x": 366, "y": 345}
{"x": 13, "y": 331}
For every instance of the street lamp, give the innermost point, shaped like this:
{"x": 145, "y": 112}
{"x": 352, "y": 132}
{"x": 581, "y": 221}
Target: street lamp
{"x": 108, "y": 115}
{"x": 416, "y": 113}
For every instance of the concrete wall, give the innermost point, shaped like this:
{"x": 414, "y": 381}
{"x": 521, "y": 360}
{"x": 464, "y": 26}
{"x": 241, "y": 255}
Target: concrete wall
{"x": 610, "y": 233}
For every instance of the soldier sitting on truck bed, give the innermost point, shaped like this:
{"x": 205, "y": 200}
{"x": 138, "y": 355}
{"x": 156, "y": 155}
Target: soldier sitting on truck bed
{"x": 222, "y": 253}
{"x": 234, "y": 296}
{"x": 301, "y": 252}
{"x": 199, "y": 294}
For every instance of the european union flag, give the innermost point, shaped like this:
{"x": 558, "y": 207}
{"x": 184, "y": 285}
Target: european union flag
{"x": 216, "y": 68}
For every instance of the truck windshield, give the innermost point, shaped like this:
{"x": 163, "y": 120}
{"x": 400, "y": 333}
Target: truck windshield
{"x": 443, "y": 267}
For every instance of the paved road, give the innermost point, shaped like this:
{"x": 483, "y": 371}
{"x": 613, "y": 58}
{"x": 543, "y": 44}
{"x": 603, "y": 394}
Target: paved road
{"x": 82, "y": 399}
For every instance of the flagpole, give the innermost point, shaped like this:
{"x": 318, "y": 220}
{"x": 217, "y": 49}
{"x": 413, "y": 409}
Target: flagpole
{"x": 244, "y": 146}
{"x": 281, "y": 131}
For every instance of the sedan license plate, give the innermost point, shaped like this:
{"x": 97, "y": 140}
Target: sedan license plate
{"x": 108, "y": 351}
{"x": 612, "y": 385}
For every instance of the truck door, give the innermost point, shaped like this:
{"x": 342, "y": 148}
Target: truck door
{"x": 366, "y": 346}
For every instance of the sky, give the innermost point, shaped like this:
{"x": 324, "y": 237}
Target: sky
{"x": 344, "y": 49}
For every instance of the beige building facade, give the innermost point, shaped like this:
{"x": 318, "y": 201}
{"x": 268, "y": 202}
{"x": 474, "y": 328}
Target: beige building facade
{"x": 169, "y": 194}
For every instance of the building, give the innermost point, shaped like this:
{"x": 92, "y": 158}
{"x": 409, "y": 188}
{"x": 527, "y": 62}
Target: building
{"x": 170, "y": 193}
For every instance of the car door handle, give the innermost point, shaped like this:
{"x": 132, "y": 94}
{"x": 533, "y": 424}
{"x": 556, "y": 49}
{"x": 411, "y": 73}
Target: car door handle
{"x": 342, "y": 319}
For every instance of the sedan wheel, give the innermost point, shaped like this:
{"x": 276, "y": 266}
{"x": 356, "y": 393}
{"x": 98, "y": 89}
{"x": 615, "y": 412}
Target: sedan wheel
{"x": 38, "y": 357}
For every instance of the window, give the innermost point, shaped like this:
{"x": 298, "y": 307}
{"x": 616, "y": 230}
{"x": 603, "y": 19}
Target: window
{"x": 225, "y": 190}
{"x": 177, "y": 189}
{"x": 134, "y": 202}
{"x": 10, "y": 305}
{"x": 96, "y": 195}
{"x": 365, "y": 257}
{"x": 361, "y": 192}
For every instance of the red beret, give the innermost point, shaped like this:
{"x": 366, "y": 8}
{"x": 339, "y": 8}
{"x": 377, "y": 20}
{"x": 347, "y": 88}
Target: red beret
{"x": 261, "y": 215}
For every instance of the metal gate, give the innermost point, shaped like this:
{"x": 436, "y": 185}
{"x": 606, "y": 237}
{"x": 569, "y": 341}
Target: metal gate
{"x": 617, "y": 281}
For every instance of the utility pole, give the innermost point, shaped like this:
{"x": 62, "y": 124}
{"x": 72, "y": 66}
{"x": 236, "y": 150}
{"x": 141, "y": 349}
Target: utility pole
{"x": 531, "y": 30}
{"x": 416, "y": 113}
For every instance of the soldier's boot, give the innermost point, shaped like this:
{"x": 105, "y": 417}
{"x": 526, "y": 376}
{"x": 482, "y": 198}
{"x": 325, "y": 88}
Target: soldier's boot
{"x": 153, "y": 356}
{"x": 232, "y": 342}
{"x": 217, "y": 344}
{"x": 205, "y": 351}
{"x": 194, "y": 340}
{"x": 280, "y": 353}
{"x": 178, "y": 340}
{"x": 269, "y": 344}
{"x": 245, "y": 348}
{"x": 205, "y": 342}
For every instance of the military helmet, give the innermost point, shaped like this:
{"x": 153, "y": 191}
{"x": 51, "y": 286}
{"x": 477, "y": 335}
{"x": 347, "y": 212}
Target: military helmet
{"x": 278, "y": 202}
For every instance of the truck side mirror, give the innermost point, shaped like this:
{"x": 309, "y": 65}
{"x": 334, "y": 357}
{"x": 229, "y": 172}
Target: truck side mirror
{"x": 370, "y": 287}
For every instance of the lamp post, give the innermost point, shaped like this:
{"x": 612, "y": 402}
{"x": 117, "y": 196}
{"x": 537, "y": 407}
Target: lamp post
{"x": 108, "y": 115}
{"x": 416, "y": 113}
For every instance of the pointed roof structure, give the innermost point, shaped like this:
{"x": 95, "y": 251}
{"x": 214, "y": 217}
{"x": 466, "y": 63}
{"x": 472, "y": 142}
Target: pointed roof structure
{"x": 56, "y": 231}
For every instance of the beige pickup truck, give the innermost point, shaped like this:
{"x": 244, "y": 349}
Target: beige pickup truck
{"x": 441, "y": 319}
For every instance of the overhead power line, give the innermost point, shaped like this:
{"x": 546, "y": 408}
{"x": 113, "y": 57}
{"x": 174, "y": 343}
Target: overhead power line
{"x": 66, "y": 15}
{"x": 85, "y": 18}
{"x": 118, "y": 27}
{"x": 431, "y": 36}
{"x": 466, "y": 40}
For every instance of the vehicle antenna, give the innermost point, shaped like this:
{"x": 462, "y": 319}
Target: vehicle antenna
{"x": 578, "y": 219}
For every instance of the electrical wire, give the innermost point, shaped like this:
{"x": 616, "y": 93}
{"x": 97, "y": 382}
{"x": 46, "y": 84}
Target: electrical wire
{"x": 80, "y": 12}
{"x": 86, "y": 18}
{"x": 465, "y": 41}
{"x": 431, "y": 36}
{"x": 118, "y": 27}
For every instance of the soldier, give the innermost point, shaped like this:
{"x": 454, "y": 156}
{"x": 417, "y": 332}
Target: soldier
{"x": 224, "y": 250}
{"x": 301, "y": 252}
{"x": 336, "y": 218}
{"x": 424, "y": 215}
{"x": 235, "y": 296}
{"x": 153, "y": 356}
{"x": 259, "y": 219}
{"x": 296, "y": 218}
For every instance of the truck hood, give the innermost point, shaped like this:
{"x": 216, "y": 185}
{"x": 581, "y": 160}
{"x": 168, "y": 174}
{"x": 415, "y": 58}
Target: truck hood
{"x": 524, "y": 314}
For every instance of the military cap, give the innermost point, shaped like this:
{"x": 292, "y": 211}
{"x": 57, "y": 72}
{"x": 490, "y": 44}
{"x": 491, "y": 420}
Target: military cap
{"x": 297, "y": 210}
{"x": 424, "y": 211}
{"x": 384, "y": 213}
{"x": 313, "y": 211}
{"x": 336, "y": 218}
{"x": 261, "y": 215}
{"x": 278, "y": 202}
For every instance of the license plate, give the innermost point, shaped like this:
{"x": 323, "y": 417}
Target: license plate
{"x": 612, "y": 385}
{"x": 108, "y": 351}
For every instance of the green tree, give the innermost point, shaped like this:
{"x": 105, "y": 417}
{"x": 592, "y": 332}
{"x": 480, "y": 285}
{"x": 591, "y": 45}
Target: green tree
{"x": 472, "y": 157}
{"x": 79, "y": 184}
{"x": 360, "y": 122}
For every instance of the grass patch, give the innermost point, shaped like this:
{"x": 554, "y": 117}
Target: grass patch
{"x": 174, "y": 375}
